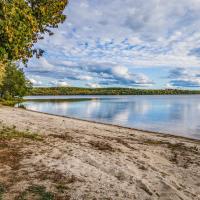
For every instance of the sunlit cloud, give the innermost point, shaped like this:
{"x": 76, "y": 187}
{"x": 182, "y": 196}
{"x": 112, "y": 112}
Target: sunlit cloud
{"x": 182, "y": 77}
{"x": 114, "y": 43}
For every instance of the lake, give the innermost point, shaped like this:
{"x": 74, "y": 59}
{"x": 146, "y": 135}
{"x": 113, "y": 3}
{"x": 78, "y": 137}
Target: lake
{"x": 177, "y": 115}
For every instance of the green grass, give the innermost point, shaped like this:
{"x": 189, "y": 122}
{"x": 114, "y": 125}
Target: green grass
{"x": 8, "y": 133}
{"x": 2, "y": 190}
{"x": 37, "y": 191}
{"x": 61, "y": 187}
{"x": 11, "y": 103}
{"x": 8, "y": 103}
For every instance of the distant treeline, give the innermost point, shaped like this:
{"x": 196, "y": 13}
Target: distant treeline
{"x": 107, "y": 91}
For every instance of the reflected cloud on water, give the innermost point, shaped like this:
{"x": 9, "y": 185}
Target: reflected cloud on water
{"x": 168, "y": 114}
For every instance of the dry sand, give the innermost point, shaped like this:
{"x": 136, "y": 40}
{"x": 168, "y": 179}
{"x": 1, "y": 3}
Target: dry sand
{"x": 83, "y": 160}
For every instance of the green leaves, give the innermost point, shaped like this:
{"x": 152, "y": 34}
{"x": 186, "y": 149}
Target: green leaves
{"x": 23, "y": 22}
{"x": 14, "y": 83}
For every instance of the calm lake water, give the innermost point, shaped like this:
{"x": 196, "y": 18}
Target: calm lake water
{"x": 178, "y": 115}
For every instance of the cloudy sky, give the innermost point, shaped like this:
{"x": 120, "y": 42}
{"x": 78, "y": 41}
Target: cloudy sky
{"x": 129, "y": 43}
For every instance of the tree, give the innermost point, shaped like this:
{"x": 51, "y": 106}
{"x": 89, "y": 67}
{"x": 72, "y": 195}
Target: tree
{"x": 23, "y": 23}
{"x": 14, "y": 83}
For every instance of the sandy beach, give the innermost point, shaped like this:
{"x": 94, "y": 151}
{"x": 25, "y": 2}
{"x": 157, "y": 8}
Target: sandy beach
{"x": 62, "y": 158}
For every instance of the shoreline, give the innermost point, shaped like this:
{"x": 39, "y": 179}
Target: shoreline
{"x": 65, "y": 158}
{"x": 157, "y": 133}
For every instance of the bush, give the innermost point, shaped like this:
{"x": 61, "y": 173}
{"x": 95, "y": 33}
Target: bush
{"x": 14, "y": 83}
{"x": 10, "y": 102}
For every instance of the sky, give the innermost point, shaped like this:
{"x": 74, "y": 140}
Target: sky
{"x": 129, "y": 43}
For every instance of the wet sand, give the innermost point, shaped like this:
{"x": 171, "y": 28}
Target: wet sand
{"x": 76, "y": 159}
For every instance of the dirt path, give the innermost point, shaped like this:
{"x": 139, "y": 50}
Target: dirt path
{"x": 74, "y": 159}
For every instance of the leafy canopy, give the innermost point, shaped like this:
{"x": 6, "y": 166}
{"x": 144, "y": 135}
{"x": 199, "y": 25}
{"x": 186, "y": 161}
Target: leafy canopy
{"x": 14, "y": 83}
{"x": 23, "y": 23}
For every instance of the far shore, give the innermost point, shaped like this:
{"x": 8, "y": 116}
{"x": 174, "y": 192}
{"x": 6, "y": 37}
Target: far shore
{"x": 67, "y": 158}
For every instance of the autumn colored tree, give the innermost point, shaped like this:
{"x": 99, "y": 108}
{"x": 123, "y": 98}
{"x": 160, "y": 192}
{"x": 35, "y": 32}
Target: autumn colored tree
{"x": 22, "y": 24}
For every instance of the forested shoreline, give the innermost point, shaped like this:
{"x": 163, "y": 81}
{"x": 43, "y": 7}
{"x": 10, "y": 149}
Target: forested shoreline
{"x": 107, "y": 91}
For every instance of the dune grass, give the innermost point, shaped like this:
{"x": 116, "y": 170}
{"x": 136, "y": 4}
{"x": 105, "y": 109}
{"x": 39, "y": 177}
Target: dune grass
{"x": 37, "y": 191}
{"x": 2, "y": 190}
{"x": 9, "y": 133}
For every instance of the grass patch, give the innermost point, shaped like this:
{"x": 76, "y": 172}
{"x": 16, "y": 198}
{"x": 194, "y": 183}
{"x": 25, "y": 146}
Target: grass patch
{"x": 10, "y": 103}
{"x": 11, "y": 156}
{"x": 58, "y": 177}
{"x": 36, "y": 192}
{"x": 102, "y": 146}
{"x": 61, "y": 188}
{"x": 7, "y": 133}
{"x": 174, "y": 147}
{"x": 2, "y": 190}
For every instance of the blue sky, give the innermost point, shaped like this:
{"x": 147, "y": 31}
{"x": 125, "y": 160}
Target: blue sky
{"x": 129, "y": 43}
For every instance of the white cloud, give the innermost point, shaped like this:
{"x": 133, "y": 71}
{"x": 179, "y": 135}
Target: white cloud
{"x": 59, "y": 83}
{"x": 84, "y": 77}
{"x": 42, "y": 62}
{"x": 126, "y": 34}
{"x": 63, "y": 84}
{"x": 181, "y": 77}
{"x": 121, "y": 71}
{"x": 93, "y": 85}
{"x": 35, "y": 82}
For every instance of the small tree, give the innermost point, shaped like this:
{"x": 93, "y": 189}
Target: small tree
{"x": 14, "y": 83}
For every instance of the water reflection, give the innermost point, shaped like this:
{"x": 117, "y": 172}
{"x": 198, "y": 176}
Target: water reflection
{"x": 168, "y": 114}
